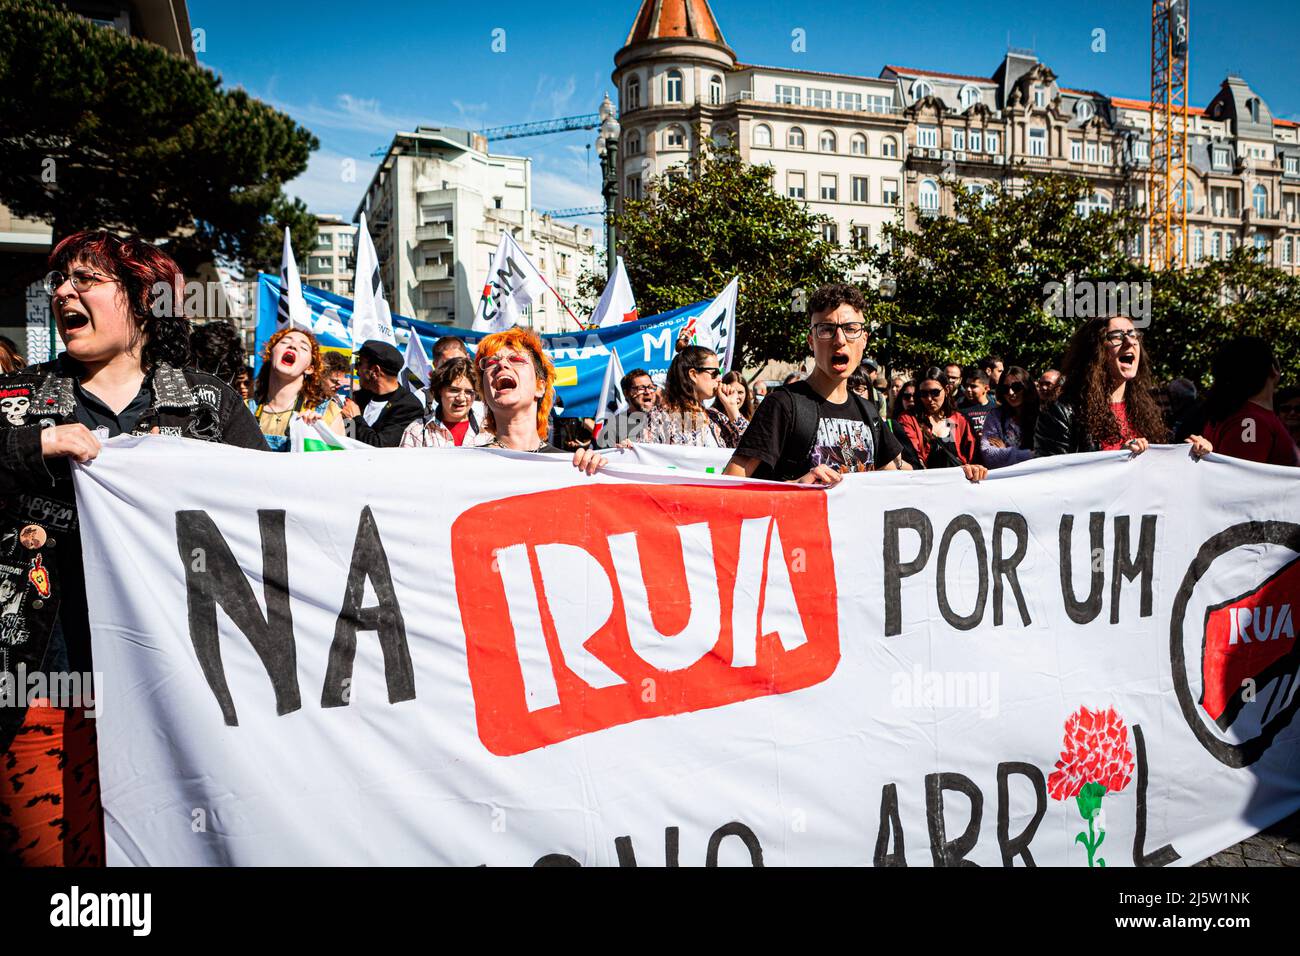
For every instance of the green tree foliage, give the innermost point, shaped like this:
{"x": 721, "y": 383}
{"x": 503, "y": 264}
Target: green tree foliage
{"x": 979, "y": 284}
{"x": 702, "y": 224}
{"x": 976, "y": 284}
{"x": 102, "y": 130}
{"x": 1199, "y": 310}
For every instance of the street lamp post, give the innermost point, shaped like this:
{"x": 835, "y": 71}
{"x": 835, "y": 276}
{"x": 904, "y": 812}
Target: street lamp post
{"x": 888, "y": 288}
{"x": 607, "y": 150}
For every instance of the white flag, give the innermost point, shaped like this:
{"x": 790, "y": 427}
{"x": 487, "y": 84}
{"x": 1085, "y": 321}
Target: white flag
{"x": 293, "y": 311}
{"x": 371, "y": 318}
{"x": 617, "y": 304}
{"x": 513, "y": 283}
{"x": 416, "y": 362}
{"x": 715, "y": 327}
{"x": 612, "y": 402}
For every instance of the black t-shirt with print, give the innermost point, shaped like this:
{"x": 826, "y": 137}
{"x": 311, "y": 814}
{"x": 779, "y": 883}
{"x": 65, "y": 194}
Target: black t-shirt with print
{"x": 975, "y": 414}
{"x": 845, "y": 439}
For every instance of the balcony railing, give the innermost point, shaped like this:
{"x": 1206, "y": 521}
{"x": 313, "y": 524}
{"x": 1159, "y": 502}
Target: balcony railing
{"x": 433, "y": 273}
{"x": 433, "y": 232}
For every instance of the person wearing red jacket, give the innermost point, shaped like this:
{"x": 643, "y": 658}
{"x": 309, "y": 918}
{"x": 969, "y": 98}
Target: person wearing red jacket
{"x": 939, "y": 435}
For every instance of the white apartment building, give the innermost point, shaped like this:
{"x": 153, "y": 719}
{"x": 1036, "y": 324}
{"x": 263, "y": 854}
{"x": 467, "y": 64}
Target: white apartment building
{"x": 436, "y": 208}
{"x": 332, "y": 259}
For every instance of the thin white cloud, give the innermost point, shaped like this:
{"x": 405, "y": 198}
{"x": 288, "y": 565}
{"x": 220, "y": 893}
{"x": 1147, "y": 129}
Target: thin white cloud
{"x": 552, "y": 191}
{"x": 330, "y": 185}
{"x": 352, "y": 113}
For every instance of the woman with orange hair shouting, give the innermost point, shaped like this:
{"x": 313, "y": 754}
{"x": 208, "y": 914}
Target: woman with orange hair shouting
{"x": 517, "y": 382}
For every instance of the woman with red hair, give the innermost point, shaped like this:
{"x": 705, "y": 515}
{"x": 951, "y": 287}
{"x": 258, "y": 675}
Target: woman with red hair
{"x": 292, "y": 382}
{"x": 117, "y": 305}
{"x": 517, "y": 382}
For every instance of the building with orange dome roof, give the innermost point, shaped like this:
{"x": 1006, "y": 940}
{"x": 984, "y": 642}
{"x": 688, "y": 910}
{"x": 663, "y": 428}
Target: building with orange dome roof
{"x": 863, "y": 150}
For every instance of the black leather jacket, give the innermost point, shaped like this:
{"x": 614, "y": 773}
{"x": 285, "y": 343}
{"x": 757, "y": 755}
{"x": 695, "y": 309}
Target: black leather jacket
{"x": 41, "y": 576}
{"x": 1057, "y": 433}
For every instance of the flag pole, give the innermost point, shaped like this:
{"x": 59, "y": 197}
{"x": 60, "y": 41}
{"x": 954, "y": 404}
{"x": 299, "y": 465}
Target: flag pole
{"x": 581, "y": 327}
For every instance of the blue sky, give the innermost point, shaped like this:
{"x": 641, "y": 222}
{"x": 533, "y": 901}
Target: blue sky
{"x": 354, "y": 73}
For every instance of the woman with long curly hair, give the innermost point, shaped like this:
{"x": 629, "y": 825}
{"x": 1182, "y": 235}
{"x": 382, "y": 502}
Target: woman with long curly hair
{"x": 1008, "y": 434}
{"x": 1106, "y": 403}
{"x": 680, "y": 418}
{"x": 292, "y": 382}
{"x": 117, "y": 306}
{"x": 517, "y": 383}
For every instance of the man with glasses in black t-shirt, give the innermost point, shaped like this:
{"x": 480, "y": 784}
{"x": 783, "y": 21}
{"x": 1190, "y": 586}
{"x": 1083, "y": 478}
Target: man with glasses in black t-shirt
{"x": 816, "y": 430}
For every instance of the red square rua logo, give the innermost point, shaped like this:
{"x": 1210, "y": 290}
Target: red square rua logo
{"x": 594, "y": 606}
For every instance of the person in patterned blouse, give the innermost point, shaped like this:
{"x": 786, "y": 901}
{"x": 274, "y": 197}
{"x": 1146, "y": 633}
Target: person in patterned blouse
{"x": 680, "y": 417}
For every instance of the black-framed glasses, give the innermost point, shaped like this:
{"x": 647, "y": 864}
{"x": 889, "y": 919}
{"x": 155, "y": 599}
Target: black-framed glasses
{"x": 1117, "y": 336}
{"x": 1013, "y": 387}
{"x": 82, "y": 280}
{"x": 930, "y": 392}
{"x": 826, "y": 330}
{"x": 641, "y": 388}
{"x": 714, "y": 371}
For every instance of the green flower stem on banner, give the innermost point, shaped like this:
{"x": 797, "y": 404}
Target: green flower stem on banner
{"x": 1089, "y": 801}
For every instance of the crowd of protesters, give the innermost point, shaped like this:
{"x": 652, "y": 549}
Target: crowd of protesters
{"x": 132, "y": 369}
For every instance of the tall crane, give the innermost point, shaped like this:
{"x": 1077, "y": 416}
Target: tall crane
{"x": 1167, "y": 192}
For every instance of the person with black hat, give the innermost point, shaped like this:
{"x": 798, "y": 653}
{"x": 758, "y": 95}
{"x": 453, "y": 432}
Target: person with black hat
{"x": 381, "y": 409}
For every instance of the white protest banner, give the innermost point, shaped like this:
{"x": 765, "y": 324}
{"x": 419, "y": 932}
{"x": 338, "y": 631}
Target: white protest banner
{"x": 491, "y": 658}
{"x": 617, "y": 304}
{"x": 293, "y": 311}
{"x": 371, "y": 317}
{"x": 513, "y": 283}
{"x": 709, "y": 461}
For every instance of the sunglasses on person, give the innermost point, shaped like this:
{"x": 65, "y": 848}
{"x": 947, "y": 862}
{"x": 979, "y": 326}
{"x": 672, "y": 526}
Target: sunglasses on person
{"x": 495, "y": 361}
{"x": 1015, "y": 387}
{"x": 713, "y": 371}
{"x": 82, "y": 280}
{"x": 826, "y": 330}
{"x": 930, "y": 392}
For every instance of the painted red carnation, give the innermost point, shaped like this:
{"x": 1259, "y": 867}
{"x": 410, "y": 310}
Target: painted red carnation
{"x": 1095, "y": 750}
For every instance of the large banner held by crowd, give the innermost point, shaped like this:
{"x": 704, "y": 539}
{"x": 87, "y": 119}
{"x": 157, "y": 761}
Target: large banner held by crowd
{"x": 580, "y": 357}
{"x": 489, "y": 658}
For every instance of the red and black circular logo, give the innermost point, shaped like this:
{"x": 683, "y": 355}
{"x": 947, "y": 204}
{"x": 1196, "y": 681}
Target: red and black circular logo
{"x": 1243, "y": 591}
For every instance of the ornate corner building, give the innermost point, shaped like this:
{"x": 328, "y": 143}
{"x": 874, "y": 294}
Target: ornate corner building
{"x": 863, "y": 150}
